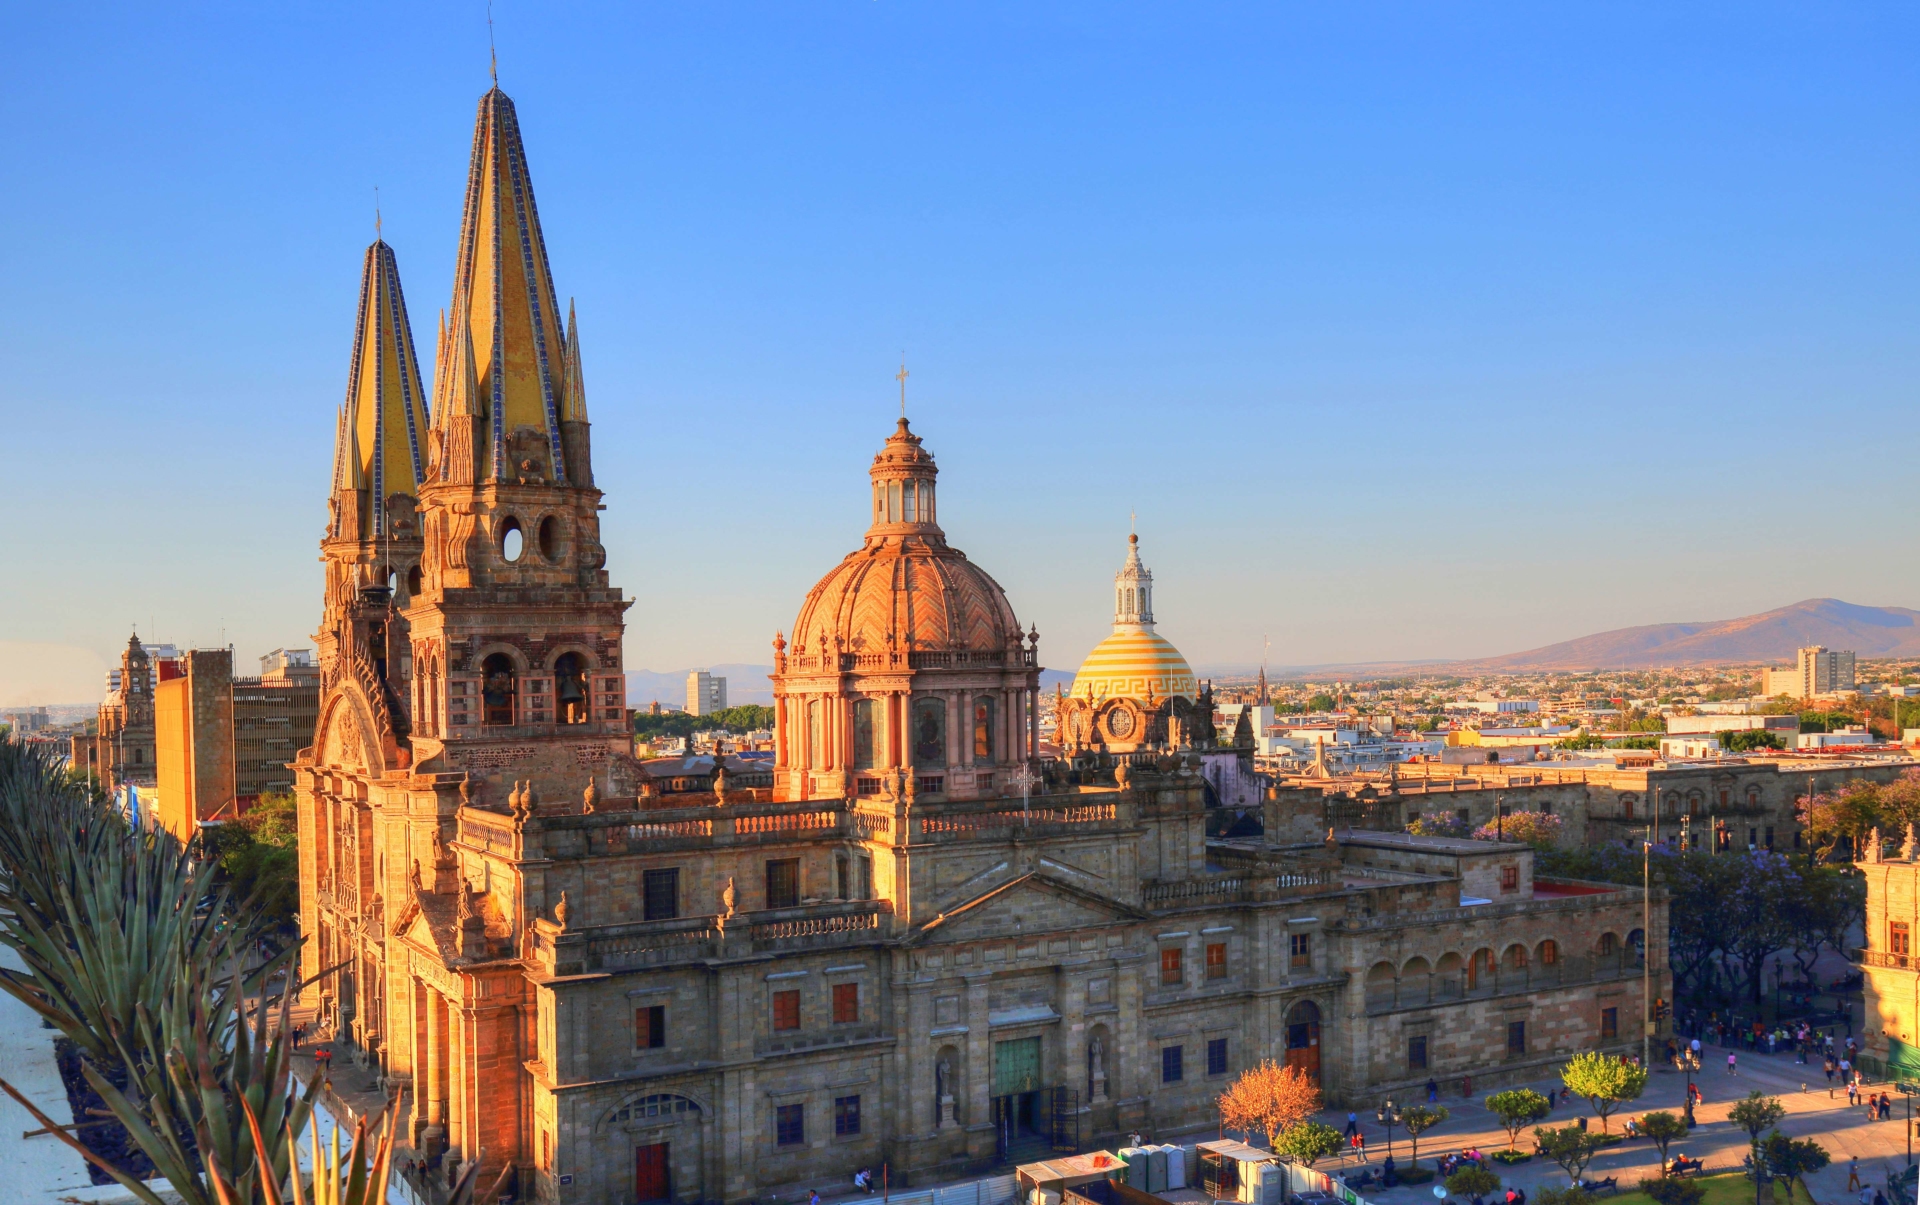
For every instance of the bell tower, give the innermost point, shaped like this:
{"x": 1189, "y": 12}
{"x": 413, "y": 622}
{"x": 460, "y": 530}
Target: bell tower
{"x": 516, "y": 631}
{"x": 371, "y": 547}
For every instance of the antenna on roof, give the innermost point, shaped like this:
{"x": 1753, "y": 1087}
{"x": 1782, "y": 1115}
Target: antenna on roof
{"x": 493, "y": 56}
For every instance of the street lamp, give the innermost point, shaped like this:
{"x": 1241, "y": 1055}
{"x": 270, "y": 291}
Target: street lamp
{"x": 1691, "y": 1063}
{"x": 1389, "y": 1117}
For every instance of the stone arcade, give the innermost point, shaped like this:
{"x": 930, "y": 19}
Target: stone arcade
{"x": 919, "y": 944}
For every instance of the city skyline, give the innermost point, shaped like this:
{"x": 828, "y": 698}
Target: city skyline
{"x": 1396, "y": 372}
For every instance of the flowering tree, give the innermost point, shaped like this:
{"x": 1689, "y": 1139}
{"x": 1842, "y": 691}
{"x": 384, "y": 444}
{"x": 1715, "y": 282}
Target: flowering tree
{"x": 1269, "y": 1098}
{"x": 1538, "y": 829}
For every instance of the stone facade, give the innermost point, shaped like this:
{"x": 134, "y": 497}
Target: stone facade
{"x": 1887, "y": 963}
{"x": 909, "y": 942}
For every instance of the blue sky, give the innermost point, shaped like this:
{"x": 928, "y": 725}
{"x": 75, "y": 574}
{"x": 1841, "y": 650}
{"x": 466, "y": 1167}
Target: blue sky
{"x": 1408, "y": 330}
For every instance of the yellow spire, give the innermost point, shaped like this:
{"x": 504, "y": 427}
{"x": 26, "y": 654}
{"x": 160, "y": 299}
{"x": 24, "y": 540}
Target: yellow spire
{"x": 380, "y": 442}
{"x": 504, "y": 307}
{"x": 573, "y": 408}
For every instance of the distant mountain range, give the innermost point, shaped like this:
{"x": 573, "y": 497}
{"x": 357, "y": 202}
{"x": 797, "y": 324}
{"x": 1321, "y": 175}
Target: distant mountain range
{"x": 1771, "y": 636}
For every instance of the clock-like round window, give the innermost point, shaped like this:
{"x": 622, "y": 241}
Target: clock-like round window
{"x": 1120, "y": 722}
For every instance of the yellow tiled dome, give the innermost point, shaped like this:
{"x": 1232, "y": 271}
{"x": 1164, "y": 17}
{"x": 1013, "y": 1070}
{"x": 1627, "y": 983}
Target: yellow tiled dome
{"x": 1135, "y": 662}
{"x": 1133, "y": 665}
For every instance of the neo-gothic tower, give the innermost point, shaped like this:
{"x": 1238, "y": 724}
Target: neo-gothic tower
{"x": 470, "y": 658}
{"x": 371, "y": 548}
{"x": 516, "y": 631}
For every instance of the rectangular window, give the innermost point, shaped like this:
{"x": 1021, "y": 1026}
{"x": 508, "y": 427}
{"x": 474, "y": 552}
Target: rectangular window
{"x": 1769, "y": 836}
{"x": 786, "y": 1010}
{"x": 843, "y": 877}
{"x": 1609, "y": 1023}
{"x": 1509, "y": 878}
{"x": 783, "y": 883}
{"x": 1217, "y": 960}
{"x": 1899, "y": 940}
{"x": 1171, "y": 1071}
{"x": 1217, "y": 1056}
{"x": 662, "y": 894}
{"x": 1172, "y": 974}
{"x": 1516, "y": 1038}
{"x": 865, "y": 885}
{"x": 846, "y": 1003}
{"x": 846, "y": 1116}
{"x": 1300, "y": 949}
{"x": 790, "y": 1124}
{"x": 1417, "y": 1053}
{"x": 650, "y": 1027}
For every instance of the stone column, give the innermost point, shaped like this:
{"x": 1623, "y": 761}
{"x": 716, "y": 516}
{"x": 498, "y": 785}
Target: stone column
{"x": 1033, "y": 722}
{"x": 457, "y": 1076}
{"x": 435, "y": 1134}
{"x": 963, "y": 701}
{"x": 953, "y": 729}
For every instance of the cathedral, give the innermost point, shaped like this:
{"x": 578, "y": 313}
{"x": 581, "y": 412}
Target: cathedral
{"x": 916, "y": 942}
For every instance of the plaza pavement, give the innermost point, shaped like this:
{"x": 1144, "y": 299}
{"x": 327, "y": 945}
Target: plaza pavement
{"x": 1881, "y": 1146}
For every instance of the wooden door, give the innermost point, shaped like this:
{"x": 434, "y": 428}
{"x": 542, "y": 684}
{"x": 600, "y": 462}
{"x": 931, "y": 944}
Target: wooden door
{"x": 1303, "y": 1038}
{"x": 650, "y": 1180}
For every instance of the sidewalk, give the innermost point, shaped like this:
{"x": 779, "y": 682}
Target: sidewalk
{"x": 1844, "y": 1131}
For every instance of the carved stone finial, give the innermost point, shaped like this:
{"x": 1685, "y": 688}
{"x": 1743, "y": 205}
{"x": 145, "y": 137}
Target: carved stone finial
{"x": 726, "y": 905}
{"x": 560, "y": 911}
{"x": 719, "y": 774}
{"x": 589, "y": 797}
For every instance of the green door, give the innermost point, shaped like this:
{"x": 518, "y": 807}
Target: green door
{"x": 1016, "y": 1066}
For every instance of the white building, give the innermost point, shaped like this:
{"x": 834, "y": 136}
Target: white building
{"x": 1688, "y": 748}
{"x": 1783, "y": 726}
{"x": 1833, "y": 740}
{"x": 706, "y": 694}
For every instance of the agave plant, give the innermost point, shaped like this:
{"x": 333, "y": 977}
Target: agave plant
{"x": 134, "y": 955}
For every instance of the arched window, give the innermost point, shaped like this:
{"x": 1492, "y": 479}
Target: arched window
{"x": 863, "y": 734}
{"x": 1549, "y": 953}
{"x": 893, "y": 501}
{"x": 983, "y": 728}
{"x": 549, "y": 539}
{"x": 662, "y": 1104}
{"x": 570, "y": 689}
{"x": 497, "y": 689}
{"x": 929, "y": 733}
{"x": 413, "y": 582}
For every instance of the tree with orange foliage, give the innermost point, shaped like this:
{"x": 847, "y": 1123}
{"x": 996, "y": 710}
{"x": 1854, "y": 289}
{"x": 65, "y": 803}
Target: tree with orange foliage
{"x": 1269, "y": 1098}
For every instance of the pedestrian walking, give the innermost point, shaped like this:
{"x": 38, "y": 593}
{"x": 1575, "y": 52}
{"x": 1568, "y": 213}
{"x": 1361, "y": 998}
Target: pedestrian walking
{"x": 1433, "y": 1091}
{"x": 1732, "y": 1066}
{"x": 1360, "y": 1146}
{"x": 1353, "y": 1125}
{"x": 1853, "y": 1174}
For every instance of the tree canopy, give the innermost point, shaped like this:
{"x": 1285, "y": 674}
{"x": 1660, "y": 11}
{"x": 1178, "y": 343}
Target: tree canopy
{"x": 1518, "y": 1108}
{"x": 1607, "y": 1081}
{"x": 1269, "y": 1098}
{"x": 748, "y": 717}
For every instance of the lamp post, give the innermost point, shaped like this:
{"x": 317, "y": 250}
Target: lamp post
{"x": 1647, "y": 1021}
{"x": 1389, "y": 1117}
{"x": 1690, "y": 1061}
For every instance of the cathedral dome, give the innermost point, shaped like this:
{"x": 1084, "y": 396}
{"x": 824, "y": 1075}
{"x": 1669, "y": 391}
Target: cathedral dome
{"x": 905, "y": 590}
{"x": 1135, "y": 662}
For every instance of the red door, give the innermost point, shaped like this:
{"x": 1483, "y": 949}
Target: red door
{"x": 650, "y": 1181}
{"x": 1303, "y": 1038}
